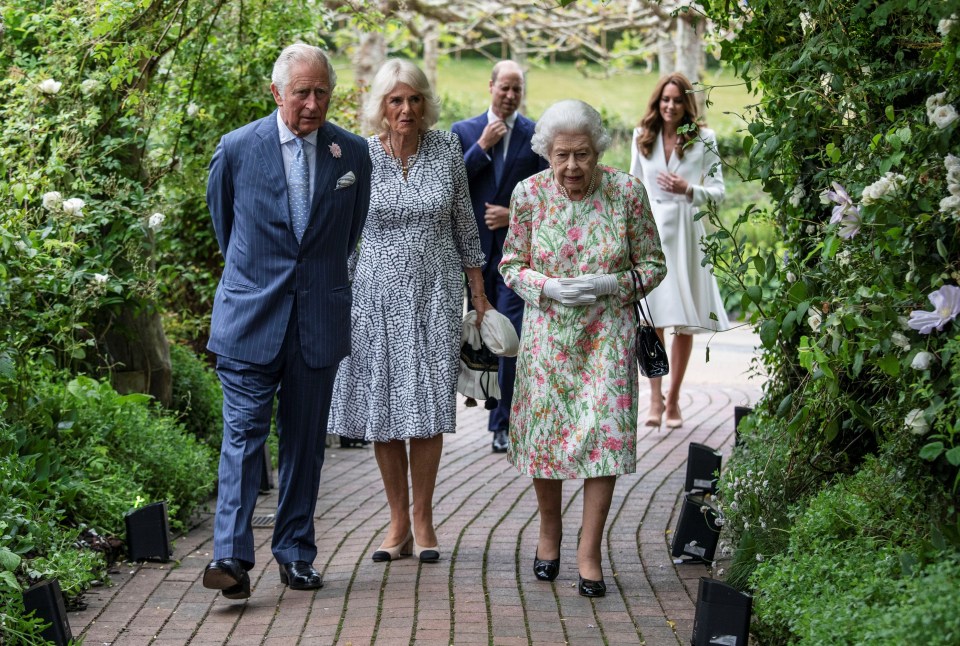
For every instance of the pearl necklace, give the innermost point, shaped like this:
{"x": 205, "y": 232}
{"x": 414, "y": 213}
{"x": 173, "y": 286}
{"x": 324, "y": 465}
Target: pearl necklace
{"x": 403, "y": 167}
{"x": 563, "y": 189}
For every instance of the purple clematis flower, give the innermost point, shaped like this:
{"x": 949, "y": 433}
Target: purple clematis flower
{"x": 845, "y": 212}
{"x": 946, "y": 306}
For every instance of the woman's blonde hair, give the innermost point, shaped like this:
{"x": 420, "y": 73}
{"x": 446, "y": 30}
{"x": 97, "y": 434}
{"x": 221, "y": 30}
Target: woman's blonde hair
{"x": 391, "y": 74}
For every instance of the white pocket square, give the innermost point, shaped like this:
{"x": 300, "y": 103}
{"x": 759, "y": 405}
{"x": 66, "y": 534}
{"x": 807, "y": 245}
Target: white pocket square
{"x": 346, "y": 180}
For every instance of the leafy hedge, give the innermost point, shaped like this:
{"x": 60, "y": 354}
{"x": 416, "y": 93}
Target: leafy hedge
{"x": 840, "y": 505}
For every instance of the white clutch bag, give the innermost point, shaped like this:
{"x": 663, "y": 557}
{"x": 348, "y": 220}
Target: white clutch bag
{"x": 479, "y": 352}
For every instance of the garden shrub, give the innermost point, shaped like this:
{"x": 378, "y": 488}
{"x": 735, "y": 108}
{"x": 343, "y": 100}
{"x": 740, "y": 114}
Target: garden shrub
{"x": 856, "y": 141}
{"x": 197, "y": 396}
{"x": 857, "y": 568}
{"x": 122, "y": 434}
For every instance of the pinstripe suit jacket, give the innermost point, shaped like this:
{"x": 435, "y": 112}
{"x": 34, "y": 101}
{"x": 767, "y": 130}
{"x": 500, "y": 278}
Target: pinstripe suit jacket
{"x": 264, "y": 266}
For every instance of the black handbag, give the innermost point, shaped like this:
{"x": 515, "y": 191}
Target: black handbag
{"x": 651, "y": 355}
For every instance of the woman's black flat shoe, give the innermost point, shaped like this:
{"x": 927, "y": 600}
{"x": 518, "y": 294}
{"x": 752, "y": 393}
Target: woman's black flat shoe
{"x": 588, "y": 588}
{"x": 546, "y": 570}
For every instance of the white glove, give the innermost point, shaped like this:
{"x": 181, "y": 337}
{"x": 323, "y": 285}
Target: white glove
{"x": 570, "y": 291}
{"x": 603, "y": 284}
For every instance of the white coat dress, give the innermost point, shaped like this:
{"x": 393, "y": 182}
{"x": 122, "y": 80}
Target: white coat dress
{"x": 689, "y": 293}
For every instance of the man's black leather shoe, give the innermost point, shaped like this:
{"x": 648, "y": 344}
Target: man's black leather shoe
{"x": 229, "y": 576}
{"x": 300, "y": 575}
{"x": 500, "y": 441}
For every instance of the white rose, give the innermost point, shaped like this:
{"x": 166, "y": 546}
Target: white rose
{"x": 20, "y": 245}
{"x": 811, "y": 229}
{"x": 945, "y": 25}
{"x": 52, "y": 200}
{"x": 89, "y": 86}
{"x": 950, "y": 204}
{"x": 922, "y": 360}
{"x": 797, "y": 195}
{"x": 900, "y": 341}
{"x": 156, "y": 221}
{"x": 791, "y": 277}
{"x": 943, "y": 116}
{"x": 73, "y": 206}
{"x": 49, "y": 86}
{"x": 935, "y": 101}
{"x": 952, "y": 162}
{"x": 100, "y": 279}
{"x": 807, "y": 24}
{"x": 814, "y": 319}
{"x": 916, "y": 423}
{"x": 192, "y": 109}
{"x": 888, "y": 184}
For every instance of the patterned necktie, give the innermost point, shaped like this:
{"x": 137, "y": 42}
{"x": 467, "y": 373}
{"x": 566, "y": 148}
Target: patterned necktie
{"x": 298, "y": 191}
{"x": 498, "y": 159}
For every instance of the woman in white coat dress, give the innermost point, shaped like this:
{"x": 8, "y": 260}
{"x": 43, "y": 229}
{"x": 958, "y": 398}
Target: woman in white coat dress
{"x": 681, "y": 171}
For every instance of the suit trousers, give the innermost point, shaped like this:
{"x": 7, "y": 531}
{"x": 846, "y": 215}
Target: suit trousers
{"x": 303, "y": 397}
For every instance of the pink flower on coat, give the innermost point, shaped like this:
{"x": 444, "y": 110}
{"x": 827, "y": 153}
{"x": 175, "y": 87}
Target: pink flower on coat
{"x": 595, "y": 455}
{"x": 575, "y": 233}
{"x": 562, "y": 356}
{"x": 567, "y": 250}
{"x": 624, "y": 401}
{"x": 335, "y": 150}
{"x": 613, "y": 443}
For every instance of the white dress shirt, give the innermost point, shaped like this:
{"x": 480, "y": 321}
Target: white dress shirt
{"x": 509, "y": 121}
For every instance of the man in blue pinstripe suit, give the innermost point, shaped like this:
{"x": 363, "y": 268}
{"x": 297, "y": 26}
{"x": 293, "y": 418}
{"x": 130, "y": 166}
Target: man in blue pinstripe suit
{"x": 288, "y": 195}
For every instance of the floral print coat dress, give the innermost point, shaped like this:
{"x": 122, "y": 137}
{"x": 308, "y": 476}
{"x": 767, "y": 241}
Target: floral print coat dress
{"x": 575, "y": 400}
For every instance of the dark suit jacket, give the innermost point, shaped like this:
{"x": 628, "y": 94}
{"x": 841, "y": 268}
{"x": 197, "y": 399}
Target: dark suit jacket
{"x": 265, "y": 269}
{"x": 521, "y": 162}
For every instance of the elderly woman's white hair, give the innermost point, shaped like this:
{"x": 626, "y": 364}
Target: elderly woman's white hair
{"x": 299, "y": 53}
{"x": 392, "y": 73}
{"x": 569, "y": 116}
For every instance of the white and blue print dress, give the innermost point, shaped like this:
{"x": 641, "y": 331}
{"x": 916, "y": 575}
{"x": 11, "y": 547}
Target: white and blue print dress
{"x": 400, "y": 381}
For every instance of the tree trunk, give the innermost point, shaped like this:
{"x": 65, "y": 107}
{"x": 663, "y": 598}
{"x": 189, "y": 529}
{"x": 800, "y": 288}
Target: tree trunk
{"x": 139, "y": 354}
{"x": 371, "y": 53}
{"x": 431, "y": 53}
{"x": 667, "y": 47}
{"x": 691, "y": 56}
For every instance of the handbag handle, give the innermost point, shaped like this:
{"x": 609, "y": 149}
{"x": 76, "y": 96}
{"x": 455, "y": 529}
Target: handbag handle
{"x": 638, "y": 280}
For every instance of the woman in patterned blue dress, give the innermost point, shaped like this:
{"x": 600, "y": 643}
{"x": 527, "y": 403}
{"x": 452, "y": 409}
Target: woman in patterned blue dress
{"x": 400, "y": 381}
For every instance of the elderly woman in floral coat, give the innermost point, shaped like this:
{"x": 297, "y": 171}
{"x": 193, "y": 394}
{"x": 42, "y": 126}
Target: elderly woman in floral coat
{"x": 581, "y": 237}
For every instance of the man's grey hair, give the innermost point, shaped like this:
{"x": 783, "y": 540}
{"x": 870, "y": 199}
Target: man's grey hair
{"x": 391, "y": 74}
{"x": 569, "y": 116}
{"x": 299, "y": 53}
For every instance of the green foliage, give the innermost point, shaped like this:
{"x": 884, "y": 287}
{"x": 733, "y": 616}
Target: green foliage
{"x": 856, "y": 569}
{"x": 850, "y": 535}
{"x": 197, "y": 397}
{"x": 113, "y": 435}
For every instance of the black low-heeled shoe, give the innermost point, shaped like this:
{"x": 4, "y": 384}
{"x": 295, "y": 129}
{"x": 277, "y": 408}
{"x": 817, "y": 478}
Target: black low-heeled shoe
{"x": 547, "y": 569}
{"x": 588, "y": 588}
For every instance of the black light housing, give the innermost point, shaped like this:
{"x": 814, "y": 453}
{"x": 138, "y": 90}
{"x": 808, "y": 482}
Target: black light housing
{"x": 45, "y": 600}
{"x": 148, "y": 533}
{"x": 739, "y": 412}
{"x": 266, "y": 470}
{"x": 723, "y": 615}
{"x": 697, "y": 530}
{"x": 703, "y": 468}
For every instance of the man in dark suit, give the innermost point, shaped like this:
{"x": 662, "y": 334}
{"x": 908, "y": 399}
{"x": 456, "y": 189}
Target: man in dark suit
{"x": 288, "y": 195}
{"x": 496, "y": 148}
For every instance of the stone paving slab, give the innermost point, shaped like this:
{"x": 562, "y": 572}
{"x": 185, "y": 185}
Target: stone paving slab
{"x": 483, "y": 590}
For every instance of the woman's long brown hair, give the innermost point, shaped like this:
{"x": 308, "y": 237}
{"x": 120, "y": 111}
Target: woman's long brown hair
{"x": 652, "y": 123}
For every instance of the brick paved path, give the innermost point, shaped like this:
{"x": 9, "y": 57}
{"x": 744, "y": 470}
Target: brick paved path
{"x": 481, "y": 592}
